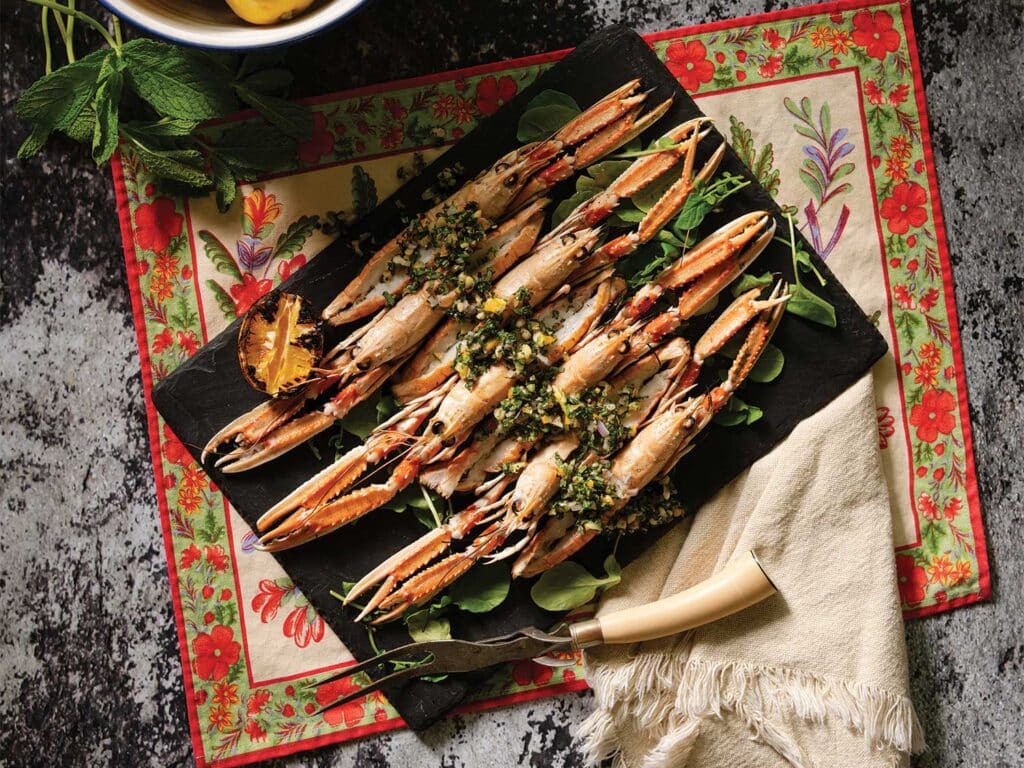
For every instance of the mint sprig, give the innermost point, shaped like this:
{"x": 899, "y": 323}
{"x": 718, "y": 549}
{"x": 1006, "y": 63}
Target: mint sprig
{"x": 171, "y": 91}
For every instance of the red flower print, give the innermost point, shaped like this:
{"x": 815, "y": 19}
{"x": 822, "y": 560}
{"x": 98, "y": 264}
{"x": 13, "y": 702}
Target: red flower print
{"x": 200, "y": 697}
{"x": 162, "y": 340}
{"x": 903, "y": 296}
{"x": 771, "y": 67}
{"x": 189, "y": 500}
{"x": 380, "y": 714}
{"x": 940, "y": 449}
{"x": 301, "y": 628}
{"x": 207, "y": 591}
{"x": 169, "y": 481}
{"x": 934, "y": 414}
{"x": 720, "y": 57}
{"x": 899, "y": 94}
{"x": 930, "y": 353}
{"x": 896, "y": 168}
{"x": 568, "y": 676}
{"x": 393, "y": 137}
{"x": 187, "y": 340}
{"x": 927, "y": 507}
{"x": 217, "y": 557}
{"x": 349, "y": 714}
{"x": 254, "y": 731}
{"x": 919, "y": 166}
{"x": 288, "y": 710}
{"x": 952, "y": 509}
{"x": 911, "y": 578}
{"x": 161, "y": 287}
{"x": 929, "y": 300}
{"x": 873, "y": 92}
{"x": 833, "y": 63}
{"x": 156, "y": 224}
{"x": 874, "y": 33}
{"x": 904, "y": 208}
{"x": 257, "y": 701}
{"x": 773, "y": 39}
{"x": 248, "y": 292}
{"x": 741, "y": 75}
{"x": 220, "y": 718}
{"x": 940, "y": 570}
{"x": 215, "y": 652}
{"x": 189, "y": 556}
{"x": 461, "y": 84}
{"x": 821, "y": 37}
{"x": 319, "y": 143}
{"x": 166, "y": 266}
{"x": 961, "y": 572}
{"x": 443, "y": 106}
{"x": 225, "y": 693}
{"x": 529, "y": 672}
{"x": 269, "y": 599}
{"x": 193, "y": 477}
{"x": 689, "y": 63}
{"x": 912, "y": 265}
{"x": 900, "y": 146}
{"x": 949, "y": 373}
{"x": 286, "y": 268}
{"x": 840, "y": 41}
{"x": 741, "y": 56}
{"x": 886, "y": 427}
{"x": 464, "y": 110}
{"x": 186, "y": 272}
{"x": 395, "y": 108}
{"x": 174, "y": 451}
{"x": 925, "y": 375}
{"x": 492, "y": 92}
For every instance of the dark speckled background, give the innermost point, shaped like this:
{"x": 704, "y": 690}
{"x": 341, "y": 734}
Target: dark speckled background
{"x": 90, "y": 671}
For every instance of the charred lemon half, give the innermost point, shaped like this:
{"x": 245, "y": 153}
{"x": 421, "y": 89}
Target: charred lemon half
{"x": 280, "y": 342}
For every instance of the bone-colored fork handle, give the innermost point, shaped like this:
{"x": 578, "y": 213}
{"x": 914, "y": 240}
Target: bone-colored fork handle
{"x": 737, "y": 586}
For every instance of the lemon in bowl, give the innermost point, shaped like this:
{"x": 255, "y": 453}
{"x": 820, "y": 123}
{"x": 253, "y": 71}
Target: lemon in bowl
{"x": 233, "y": 24}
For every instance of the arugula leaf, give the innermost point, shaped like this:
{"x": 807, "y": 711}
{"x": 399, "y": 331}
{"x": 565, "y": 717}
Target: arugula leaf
{"x": 364, "y": 192}
{"x": 810, "y": 306}
{"x": 55, "y": 100}
{"x": 546, "y": 113}
{"x": 108, "y": 97}
{"x": 177, "y": 82}
{"x": 482, "y": 590}
{"x": 569, "y": 585}
{"x": 294, "y": 120}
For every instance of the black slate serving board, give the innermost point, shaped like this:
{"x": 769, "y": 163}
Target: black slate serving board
{"x": 208, "y": 391}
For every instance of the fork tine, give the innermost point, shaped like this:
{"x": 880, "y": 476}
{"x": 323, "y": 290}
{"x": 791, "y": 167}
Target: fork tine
{"x": 376, "y": 685}
{"x": 419, "y": 649}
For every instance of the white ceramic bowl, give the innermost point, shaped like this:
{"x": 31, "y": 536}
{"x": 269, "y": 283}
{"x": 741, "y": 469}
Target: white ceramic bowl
{"x": 211, "y": 24}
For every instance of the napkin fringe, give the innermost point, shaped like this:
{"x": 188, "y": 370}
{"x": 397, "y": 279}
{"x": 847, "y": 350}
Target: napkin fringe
{"x": 672, "y": 697}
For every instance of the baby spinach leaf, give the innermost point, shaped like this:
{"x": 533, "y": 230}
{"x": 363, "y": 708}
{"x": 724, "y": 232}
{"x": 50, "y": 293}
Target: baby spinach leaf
{"x": 483, "y": 589}
{"x": 569, "y": 585}
{"x": 810, "y": 306}
{"x": 738, "y": 412}
{"x": 748, "y": 282}
{"x": 422, "y": 626}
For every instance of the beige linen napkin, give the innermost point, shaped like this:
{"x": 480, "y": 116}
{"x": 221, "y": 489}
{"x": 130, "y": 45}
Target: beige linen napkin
{"x": 815, "y": 675}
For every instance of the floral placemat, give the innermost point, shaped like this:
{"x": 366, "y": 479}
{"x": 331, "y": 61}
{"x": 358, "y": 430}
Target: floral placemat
{"x": 825, "y": 103}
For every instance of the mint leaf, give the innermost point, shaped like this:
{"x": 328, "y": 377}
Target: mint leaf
{"x": 292, "y": 120}
{"x": 253, "y": 148}
{"x": 185, "y": 165}
{"x": 225, "y": 184}
{"x": 178, "y": 82}
{"x": 481, "y": 590}
{"x": 168, "y": 127}
{"x": 108, "y": 100}
{"x": 56, "y": 99}
{"x": 34, "y": 142}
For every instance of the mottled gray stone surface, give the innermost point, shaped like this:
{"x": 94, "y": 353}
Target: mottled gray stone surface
{"x": 90, "y": 672}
